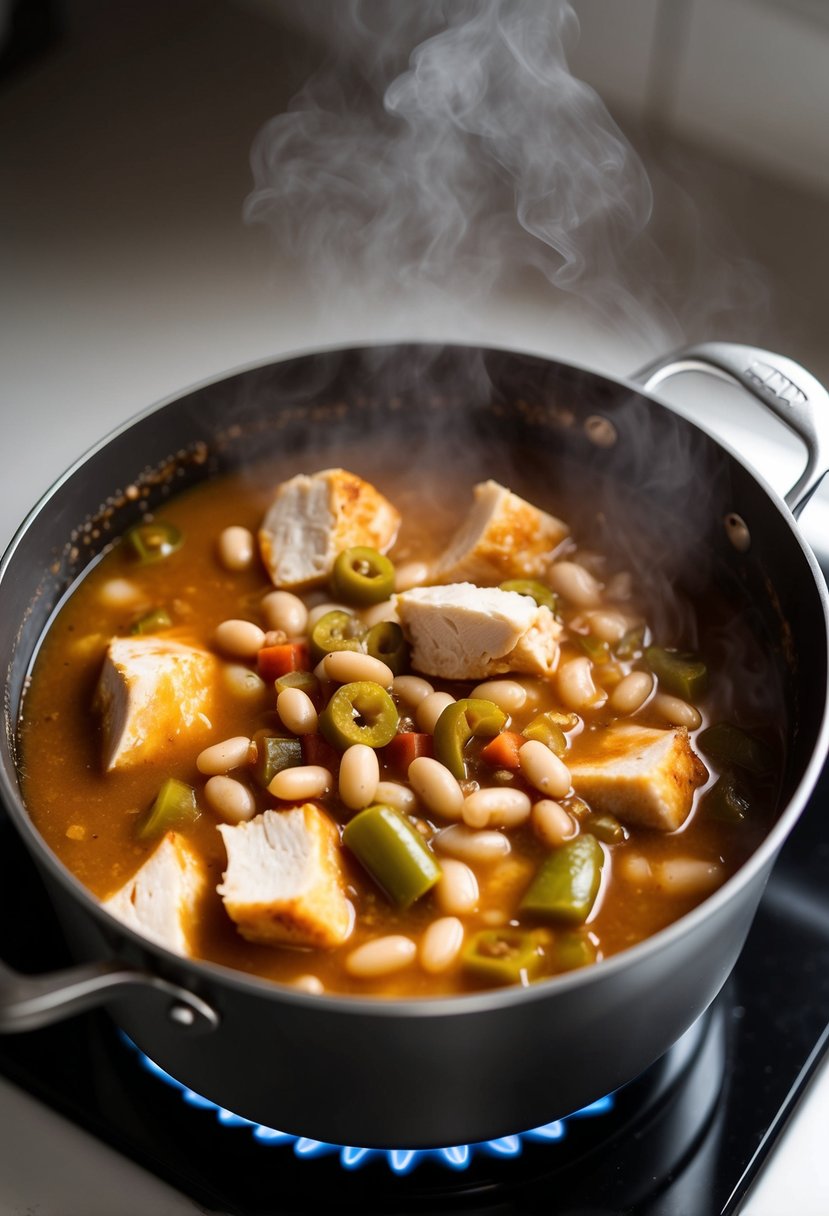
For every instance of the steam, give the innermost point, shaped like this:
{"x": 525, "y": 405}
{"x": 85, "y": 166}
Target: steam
{"x": 446, "y": 147}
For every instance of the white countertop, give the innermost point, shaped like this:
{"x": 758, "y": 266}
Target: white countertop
{"x": 128, "y": 276}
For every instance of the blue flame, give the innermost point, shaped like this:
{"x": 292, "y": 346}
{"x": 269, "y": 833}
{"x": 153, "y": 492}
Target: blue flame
{"x": 399, "y": 1160}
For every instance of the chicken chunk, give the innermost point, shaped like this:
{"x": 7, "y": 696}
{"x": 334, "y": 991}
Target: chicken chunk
{"x": 312, "y": 519}
{"x": 502, "y": 537}
{"x": 159, "y": 900}
{"x": 284, "y": 883}
{"x": 643, "y": 776}
{"x": 150, "y": 692}
{"x": 462, "y": 632}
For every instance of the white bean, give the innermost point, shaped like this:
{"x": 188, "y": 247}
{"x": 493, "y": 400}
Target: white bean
{"x": 436, "y": 787}
{"x": 430, "y": 709}
{"x": 320, "y": 610}
{"x": 304, "y": 781}
{"x": 551, "y": 823}
{"x": 308, "y": 983}
{"x": 399, "y": 796}
{"x": 239, "y": 639}
{"x": 633, "y": 868}
{"x": 411, "y": 689}
{"x": 620, "y": 586}
{"x": 676, "y": 711}
{"x": 631, "y": 693}
{"x": 120, "y": 593}
{"x": 345, "y": 666}
{"x": 285, "y": 611}
{"x": 576, "y": 687}
{"x": 456, "y": 891}
{"x": 359, "y": 776}
{"x": 508, "y": 695}
{"x": 687, "y": 875}
{"x": 575, "y": 584}
{"x": 496, "y": 807}
{"x": 606, "y": 625}
{"x": 236, "y": 548}
{"x": 222, "y": 757}
{"x": 471, "y": 845}
{"x": 441, "y": 944}
{"x": 296, "y": 709}
{"x": 242, "y": 682}
{"x": 231, "y": 800}
{"x": 382, "y": 956}
{"x": 410, "y": 574}
{"x": 378, "y": 613}
{"x": 543, "y": 769}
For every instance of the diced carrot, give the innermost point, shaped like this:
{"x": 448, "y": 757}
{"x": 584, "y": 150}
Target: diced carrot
{"x": 275, "y": 661}
{"x": 502, "y": 751}
{"x": 316, "y": 750}
{"x": 405, "y": 748}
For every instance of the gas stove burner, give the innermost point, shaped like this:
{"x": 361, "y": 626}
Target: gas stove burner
{"x": 399, "y": 1160}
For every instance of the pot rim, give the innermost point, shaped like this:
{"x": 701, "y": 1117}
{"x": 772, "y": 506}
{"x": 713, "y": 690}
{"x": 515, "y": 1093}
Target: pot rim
{"x": 489, "y": 1000}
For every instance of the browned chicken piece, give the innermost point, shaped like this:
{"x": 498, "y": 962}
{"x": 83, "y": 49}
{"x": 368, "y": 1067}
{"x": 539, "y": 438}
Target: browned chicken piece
{"x": 151, "y": 692}
{"x": 313, "y": 518}
{"x": 643, "y": 776}
{"x": 284, "y": 883}
{"x": 502, "y": 537}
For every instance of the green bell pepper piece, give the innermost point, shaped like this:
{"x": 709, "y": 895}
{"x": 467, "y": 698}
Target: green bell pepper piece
{"x": 684, "y": 675}
{"x": 543, "y": 596}
{"x": 306, "y": 681}
{"x": 393, "y": 853}
{"x": 458, "y": 723}
{"x": 361, "y": 712}
{"x": 595, "y": 649}
{"x": 504, "y": 956}
{"x": 273, "y": 754}
{"x": 606, "y": 828}
{"x": 723, "y": 802}
{"x": 150, "y": 542}
{"x": 548, "y": 731}
{"x": 152, "y": 622}
{"x": 385, "y": 641}
{"x": 728, "y": 744}
{"x": 362, "y": 576}
{"x": 174, "y": 807}
{"x": 566, "y": 885}
{"x": 336, "y": 630}
{"x": 572, "y": 950}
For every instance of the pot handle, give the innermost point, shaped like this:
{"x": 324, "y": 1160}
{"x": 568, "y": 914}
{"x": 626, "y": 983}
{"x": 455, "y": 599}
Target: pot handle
{"x": 782, "y": 385}
{"x": 28, "y": 1002}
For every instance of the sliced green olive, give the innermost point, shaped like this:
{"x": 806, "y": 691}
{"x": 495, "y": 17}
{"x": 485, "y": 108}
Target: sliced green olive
{"x": 362, "y": 576}
{"x": 273, "y": 754}
{"x": 152, "y": 622}
{"x": 728, "y": 744}
{"x": 684, "y": 675}
{"x": 458, "y": 723}
{"x": 504, "y": 956}
{"x": 385, "y": 641}
{"x": 606, "y": 828}
{"x": 393, "y": 852}
{"x": 306, "y": 681}
{"x": 150, "y": 542}
{"x": 572, "y": 950}
{"x": 543, "y": 596}
{"x": 336, "y": 630}
{"x": 174, "y": 807}
{"x": 566, "y": 885}
{"x": 723, "y": 801}
{"x": 548, "y": 731}
{"x": 361, "y": 712}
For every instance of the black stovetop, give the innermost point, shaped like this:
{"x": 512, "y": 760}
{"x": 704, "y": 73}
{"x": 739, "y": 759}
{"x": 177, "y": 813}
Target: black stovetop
{"x": 688, "y": 1137}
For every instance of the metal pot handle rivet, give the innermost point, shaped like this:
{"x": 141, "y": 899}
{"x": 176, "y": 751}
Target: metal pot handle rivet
{"x": 783, "y": 386}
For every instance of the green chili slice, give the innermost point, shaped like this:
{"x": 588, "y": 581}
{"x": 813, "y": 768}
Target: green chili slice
{"x": 724, "y": 802}
{"x": 543, "y": 596}
{"x": 174, "y": 807}
{"x": 385, "y": 641}
{"x": 150, "y": 542}
{"x": 566, "y": 885}
{"x": 504, "y": 956}
{"x": 393, "y": 853}
{"x": 728, "y": 744}
{"x": 606, "y": 828}
{"x": 684, "y": 675}
{"x": 273, "y": 754}
{"x": 361, "y": 712}
{"x": 362, "y": 576}
{"x": 458, "y": 723}
{"x": 306, "y": 681}
{"x": 548, "y": 731}
{"x": 152, "y": 622}
{"x": 572, "y": 950}
{"x": 336, "y": 630}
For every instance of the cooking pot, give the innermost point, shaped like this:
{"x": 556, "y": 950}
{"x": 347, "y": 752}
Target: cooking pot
{"x": 429, "y": 1072}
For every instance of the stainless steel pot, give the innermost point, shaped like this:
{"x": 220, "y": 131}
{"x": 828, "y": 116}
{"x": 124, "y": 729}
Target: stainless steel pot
{"x": 442, "y": 1071}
